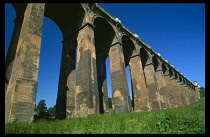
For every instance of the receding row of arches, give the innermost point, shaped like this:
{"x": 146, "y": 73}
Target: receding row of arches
{"x": 95, "y": 55}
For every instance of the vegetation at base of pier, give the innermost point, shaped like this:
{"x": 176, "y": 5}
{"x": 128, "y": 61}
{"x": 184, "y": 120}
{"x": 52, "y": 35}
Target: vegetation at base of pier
{"x": 188, "y": 119}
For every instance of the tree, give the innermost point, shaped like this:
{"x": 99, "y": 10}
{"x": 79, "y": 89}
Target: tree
{"x": 202, "y": 92}
{"x": 41, "y": 110}
{"x": 52, "y": 110}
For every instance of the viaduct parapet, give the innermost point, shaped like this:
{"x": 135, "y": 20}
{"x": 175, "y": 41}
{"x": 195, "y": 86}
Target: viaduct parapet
{"x": 82, "y": 90}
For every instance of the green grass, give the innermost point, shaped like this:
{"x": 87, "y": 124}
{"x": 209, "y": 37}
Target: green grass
{"x": 183, "y": 120}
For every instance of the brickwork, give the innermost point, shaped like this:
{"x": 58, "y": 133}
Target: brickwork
{"x": 66, "y": 92}
{"x": 82, "y": 89}
{"x": 163, "y": 91}
{"x": 153, "y": 93}
{"x": 181, "y": 92}
{"x": 21, "y": 91}
{"x": 120, "y": 93}
{"x": 102, "y": 83}
{"x": 86, "y": 96}
{"x": 170, "y": 88}
{"x": 176, "y": 91}
{"x": 140, "y": 90}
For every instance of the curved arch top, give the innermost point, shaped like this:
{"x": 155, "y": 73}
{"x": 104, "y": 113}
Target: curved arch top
{"x": 156, "y": 63}
{"x": 129, "y": 48}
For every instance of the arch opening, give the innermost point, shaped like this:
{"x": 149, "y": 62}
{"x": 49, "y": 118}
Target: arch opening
{"x": 170, "y": 72}
{"x": 164, "y": 68}
{"x": 130, "y": 87}
{"x": 104, "y": 36}
{"x": 66, "y": 19}
{"x": 144, "y": 57}
{"x": 54, "y": 31}
{"x": 128, "y": 51}
{"x": 155, "y": 63}
{"x": 176, "y": 76}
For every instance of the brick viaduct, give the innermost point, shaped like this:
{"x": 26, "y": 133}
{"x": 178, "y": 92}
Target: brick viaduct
{"x": 82, "y": 87}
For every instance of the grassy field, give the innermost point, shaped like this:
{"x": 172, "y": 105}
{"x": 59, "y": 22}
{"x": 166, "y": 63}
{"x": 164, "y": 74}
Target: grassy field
{"x": 183, "y": 120}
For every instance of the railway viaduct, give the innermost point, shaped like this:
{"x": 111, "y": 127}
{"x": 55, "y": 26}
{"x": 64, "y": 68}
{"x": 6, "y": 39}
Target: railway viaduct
{"x": 82, "y": 89}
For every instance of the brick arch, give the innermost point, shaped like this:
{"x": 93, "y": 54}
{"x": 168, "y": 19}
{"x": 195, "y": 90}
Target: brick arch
{"x": 164, "y": 68}
{"x": 60, "y": 12}
{"x": 170, "y": 71}
{"x": 104, "y": 33}
{"x": 156, "y": 63}
{"x": 191, "y": 86}
{"x": 145, "y": 56}
{"x": 176, "y": 75}
{"x": 108, "y": 21}
{"x": 184, "y": 80}
{"x": 129, "y": 48}
{"x": 179, "y": 77}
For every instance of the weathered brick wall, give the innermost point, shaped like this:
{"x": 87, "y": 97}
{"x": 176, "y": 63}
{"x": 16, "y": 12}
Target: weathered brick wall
{"x": 140, "y": 90}
{"x": 153, "y": 93}
{"x": 176, "y": 91}
{"x": 120, "y": 92}
{"x": 21, "y": 91}
{"x": 86, "y": 96}
{"x": 163, "y": 90}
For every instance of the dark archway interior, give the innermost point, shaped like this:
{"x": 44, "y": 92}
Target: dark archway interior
{"x": 180, "y": 79}
{"x": 128, "y": 49}
{"x": 183, "y": 80}
{"x": 176, "y": 77}
{"x": 155, "y": 62}
{"x": 144, "y": 57}
{"x": 19, "y": 8}
{"x": 170, "y": 72}
{"x": 63, "y": 14}
{"x": 164, "y": 68}
{"x": 104, "y": 35}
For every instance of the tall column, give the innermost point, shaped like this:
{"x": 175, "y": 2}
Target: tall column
{"x": 163, "y": 91}
{"x": 187, "y": 93}
{"x": 153, "y": 94}
{"x": 12, "y": 49}
{"x": 65, "y": 102}
{"x": 102, "y": 83}
{"x": 181, "y": 92}
{"x": 176, "y": 91}
{"x": 86, "y": 96}
{"x": 120, "y": 94}
{"x": 193, "y": 94}
{"x": 169, "y": 88}
{"x": 21, "y": 91}
{"x": 140, "y": 91}
{"x": 197, "y": 92}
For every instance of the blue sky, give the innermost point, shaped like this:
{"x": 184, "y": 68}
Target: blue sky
{"x": 176, "y": 31}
